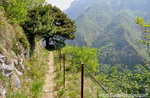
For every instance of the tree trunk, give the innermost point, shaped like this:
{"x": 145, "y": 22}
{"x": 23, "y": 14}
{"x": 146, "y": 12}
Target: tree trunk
{"x": 47, "y": 42}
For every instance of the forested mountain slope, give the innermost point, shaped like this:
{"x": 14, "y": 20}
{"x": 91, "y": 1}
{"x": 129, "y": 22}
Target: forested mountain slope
{"x": 78, "y": 7}
{"x": 109, "y": 26}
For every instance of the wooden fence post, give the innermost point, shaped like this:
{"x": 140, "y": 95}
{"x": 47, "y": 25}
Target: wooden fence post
{"x": 59, "y": 54}
{"x": 64, "y": 59}
{"x": 82, "y": 81}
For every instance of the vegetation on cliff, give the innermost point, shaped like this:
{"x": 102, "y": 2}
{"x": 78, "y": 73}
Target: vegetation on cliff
{"x": 22, "y": 67}
{"x": 24, "y": 60}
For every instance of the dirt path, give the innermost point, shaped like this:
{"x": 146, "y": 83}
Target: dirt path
{"x": 49, "y": 81}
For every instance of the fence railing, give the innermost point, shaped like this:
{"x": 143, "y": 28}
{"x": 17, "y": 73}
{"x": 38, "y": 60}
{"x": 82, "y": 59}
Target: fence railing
{"x": 83, "y": 69}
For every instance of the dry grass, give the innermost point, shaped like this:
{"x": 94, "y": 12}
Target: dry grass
{"x": 11, "y": 38}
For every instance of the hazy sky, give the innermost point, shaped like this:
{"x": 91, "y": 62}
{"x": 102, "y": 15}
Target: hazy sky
{"x": 62, "y": 4}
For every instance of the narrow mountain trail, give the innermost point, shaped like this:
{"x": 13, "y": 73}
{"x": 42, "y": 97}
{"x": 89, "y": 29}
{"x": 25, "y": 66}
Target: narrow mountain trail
{"x": 49, "y": 81}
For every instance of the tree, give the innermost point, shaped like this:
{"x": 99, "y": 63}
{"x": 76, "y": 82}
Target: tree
{"x": 143, "y": 74}
{"x": 50, "y": 23}
{"x": 37, "y": 2}
{"x": 146, "y": 28}
{"x": 63, "y": 27}
{"x": 17, "y": 10}
{"x": 84, "y": 55}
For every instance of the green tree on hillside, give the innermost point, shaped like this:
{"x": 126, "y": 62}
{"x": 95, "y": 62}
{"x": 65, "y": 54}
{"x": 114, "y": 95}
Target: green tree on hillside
{"x": 16, "y": 10}
{"x": 84, "y": 55}
{"x": 37, "y": 2}
{"x": 146, "y": 28}
{"x": 50, "y": 23}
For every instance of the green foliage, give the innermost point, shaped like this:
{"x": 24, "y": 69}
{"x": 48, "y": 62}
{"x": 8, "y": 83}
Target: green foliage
{"x": 127, "y": 82}
{"x": 18, "y": 94}
{"x": 72, "y": 88}
{"x": 50, "y": 23}
{"x": 59, "y": 80}
{"x": 108, "y": 25}
{"x": 12, "y": 38}
{"x": 105, "y": 68}
{"x": 61, "y": 93}
{"x": 16, "y": 49}
{"x": 84, "y": 55}
{"x": 33, "y": 77}
{"x": 146, "y": 28}
{"x": 16, "y": 10}
{"x": 38, "y": 70}
{"x": 37, "y": 2}
{"x": 117, "y": 80}
{"x": 58, "y": 75}
{"x": 1, "y": 10}
{"x": 36, "y": 88}
{"x": 39, "y": 21}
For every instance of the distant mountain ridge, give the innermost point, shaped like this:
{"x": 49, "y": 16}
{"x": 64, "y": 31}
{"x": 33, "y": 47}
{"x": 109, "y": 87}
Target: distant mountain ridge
{"x": 109, "y": 26}
{"x": 78, "y": 7}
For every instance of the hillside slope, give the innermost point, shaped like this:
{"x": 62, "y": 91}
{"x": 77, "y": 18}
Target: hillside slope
{"x": 20, "y": 76}
{"x": 78, "y": 7}
{"x": 110, "y": 27}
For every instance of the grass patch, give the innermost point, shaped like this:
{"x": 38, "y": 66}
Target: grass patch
{"x": 34, "y": 75}
{"x": 61, "y": 92}
{"x": 73, "y": 82}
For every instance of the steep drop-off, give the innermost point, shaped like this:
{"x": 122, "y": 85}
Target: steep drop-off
{"x": 109, "y": 26}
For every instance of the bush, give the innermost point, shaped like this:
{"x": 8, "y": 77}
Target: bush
{"x": 16, "y": 10}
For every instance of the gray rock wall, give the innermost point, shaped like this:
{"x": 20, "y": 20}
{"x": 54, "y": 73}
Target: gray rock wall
{"x": 10, "y": 70}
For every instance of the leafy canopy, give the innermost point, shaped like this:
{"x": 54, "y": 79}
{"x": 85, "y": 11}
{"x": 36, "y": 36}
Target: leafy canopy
{"x": 84, "y": 55}
{"x": 48, "y": 21}
{"x": 16, "y": 10}
{"x": 145, "y": 27}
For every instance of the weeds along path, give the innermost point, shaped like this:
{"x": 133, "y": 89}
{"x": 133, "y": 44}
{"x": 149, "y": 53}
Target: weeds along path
{"x": 49, "y": 81}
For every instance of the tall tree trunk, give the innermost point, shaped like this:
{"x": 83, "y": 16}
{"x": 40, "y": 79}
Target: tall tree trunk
{"x": 47, "y": 42}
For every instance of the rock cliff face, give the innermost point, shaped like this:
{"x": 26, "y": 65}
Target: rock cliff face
{"x": 11, "y": 70}
{"x": 21, "y": 76}
{"x": 13, "y": 53}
